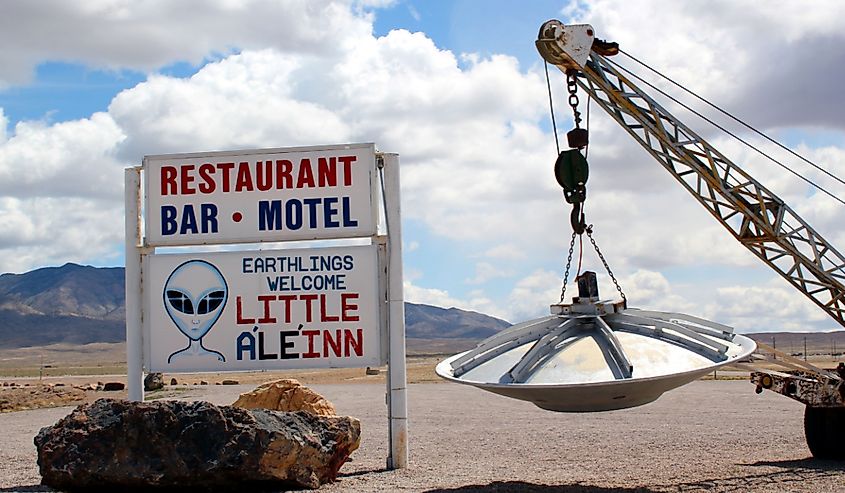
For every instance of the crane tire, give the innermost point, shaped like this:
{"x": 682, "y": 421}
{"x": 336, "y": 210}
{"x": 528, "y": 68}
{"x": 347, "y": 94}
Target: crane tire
{"x": 824, "y": 429}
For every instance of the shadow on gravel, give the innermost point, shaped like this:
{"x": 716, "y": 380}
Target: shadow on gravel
{"x": 793, "y": 472}
{"x": 362, "y": 472}
{"x": 523, "y": 487}
{"x": 809, "y": 463}
{"x": 27, "y": 488}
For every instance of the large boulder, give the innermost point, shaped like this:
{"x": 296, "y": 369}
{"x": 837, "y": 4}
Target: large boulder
{"x": 116, "y": 444}
{"x": 286, "y": 395}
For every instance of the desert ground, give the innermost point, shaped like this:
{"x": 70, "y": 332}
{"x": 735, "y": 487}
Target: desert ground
{"x": 715, "y": 435}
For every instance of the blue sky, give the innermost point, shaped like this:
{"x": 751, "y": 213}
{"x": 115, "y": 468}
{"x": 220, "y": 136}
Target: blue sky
{"x": 457, "y": 89}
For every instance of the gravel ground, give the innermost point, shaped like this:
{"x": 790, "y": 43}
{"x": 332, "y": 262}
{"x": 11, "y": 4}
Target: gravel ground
{"x": 706, "y": 436}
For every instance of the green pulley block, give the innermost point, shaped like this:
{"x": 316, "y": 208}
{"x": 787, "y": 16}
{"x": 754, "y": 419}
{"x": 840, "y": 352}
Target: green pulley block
{"x": 571, "y": 172}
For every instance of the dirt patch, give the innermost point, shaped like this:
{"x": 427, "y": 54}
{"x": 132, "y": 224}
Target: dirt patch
{"x": 39, "y": 396}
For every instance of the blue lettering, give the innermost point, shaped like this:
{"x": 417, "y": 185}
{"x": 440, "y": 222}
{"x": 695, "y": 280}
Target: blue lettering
{"x": 168, "y": 220}
{"x": 348, "y": 222}
{"x": 189, "y": 221}
{"x": 329, "y": 212}
{"x": 208, "y": 212}
{"x": 312, "y": 211}
{"x": 246, "y": 343}
{"x": 269, "y": 215}
{"x": 293, "y": 214}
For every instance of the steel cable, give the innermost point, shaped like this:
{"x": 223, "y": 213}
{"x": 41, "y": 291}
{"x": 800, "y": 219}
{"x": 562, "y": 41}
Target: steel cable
{"x": 720, "y": 127}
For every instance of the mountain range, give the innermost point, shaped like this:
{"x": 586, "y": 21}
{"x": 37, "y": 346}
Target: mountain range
{"x": 77, "y": 304}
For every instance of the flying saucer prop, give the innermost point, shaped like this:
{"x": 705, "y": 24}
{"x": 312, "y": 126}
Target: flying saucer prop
{"x": 596, "y": 355}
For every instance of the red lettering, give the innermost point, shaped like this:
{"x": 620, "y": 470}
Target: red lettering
{"x": 310, "y": 334}
{"x": 207, "y": 185}
{"x": 283, "y": 174}
{"x": 168, "y": 180}
{"x": 244, "y": 181}
{"x": 264, "y": 175}
{"x": 266, "y": 299}
{"x": 186, "y": 178}
{"x": 305, "y": 176}
{"x": 324, "y": 317}
{"x": 308, "y": 298}
{"x": 327, "y": 172}
{"x": 239, "y": 313}
{"x": 226, "y": 169}
{"x": 334, "y": 344}
{"x": 287, "y": 298}
{"x": 356, "y": 344}
{"x": 345, "y": 307}
{"x": 347, "y": 169}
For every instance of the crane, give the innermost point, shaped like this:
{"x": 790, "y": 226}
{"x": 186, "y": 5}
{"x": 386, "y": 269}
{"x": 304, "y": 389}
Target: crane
{"x": 753, "y": 214}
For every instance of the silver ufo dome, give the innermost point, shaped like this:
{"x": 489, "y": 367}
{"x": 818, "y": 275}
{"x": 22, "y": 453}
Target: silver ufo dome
{"x": 596, "y": 355}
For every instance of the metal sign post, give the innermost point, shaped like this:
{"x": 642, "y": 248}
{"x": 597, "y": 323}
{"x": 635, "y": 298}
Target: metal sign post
{"x": 267, "y": 309}
{"x": 396, "y": 378}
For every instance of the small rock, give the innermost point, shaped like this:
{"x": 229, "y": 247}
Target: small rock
{"x": 153, "y": 381}
{"x": 113, "y": 386}
{"x": 173, "y": 381}
{"x": 203, "y": 382}
{"x": 59, "y": 384}
{"x": 230, "y": 382}
{"x": 286, "y": 395}
{"x": 118, "y": 445}
{"x": 372, "y": 371}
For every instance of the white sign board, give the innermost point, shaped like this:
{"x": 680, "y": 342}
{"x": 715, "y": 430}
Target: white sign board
{"x": 256, "y": 310}
{"x": 260, "y": 195}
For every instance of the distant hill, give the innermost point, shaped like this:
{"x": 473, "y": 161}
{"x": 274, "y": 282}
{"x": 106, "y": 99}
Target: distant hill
{"x": 79, "y": 304}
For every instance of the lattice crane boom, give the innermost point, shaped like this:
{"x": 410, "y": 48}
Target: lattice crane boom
{"x": 755, "y": 216}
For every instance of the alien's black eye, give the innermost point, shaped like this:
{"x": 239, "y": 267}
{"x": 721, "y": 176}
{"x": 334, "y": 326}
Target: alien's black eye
{"x": 210, "y": 302}
{"x": 180, "y": 301}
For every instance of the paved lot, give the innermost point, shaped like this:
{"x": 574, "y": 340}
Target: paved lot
{"x": 707, "y": 436}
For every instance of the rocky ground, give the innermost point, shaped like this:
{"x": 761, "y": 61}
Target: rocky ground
{"x": 707, "y": 436}
{"x": 22, "y": 398}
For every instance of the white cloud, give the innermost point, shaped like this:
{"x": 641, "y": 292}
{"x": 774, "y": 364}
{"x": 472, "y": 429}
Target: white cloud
{"x": 533, "y": 294}
{"x": 485, "y": 271}
{"x": 411, "y": 246}
{"x": 68, "y": 159}
{"x": 752, "y": 57}
{"x": 477, "y": 164}
{"x": 125, "y": 34}
{"x": 476, "y": 301}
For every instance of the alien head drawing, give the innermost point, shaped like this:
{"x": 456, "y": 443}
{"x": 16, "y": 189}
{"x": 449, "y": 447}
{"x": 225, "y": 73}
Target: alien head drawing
{"x": 194, "y": 296}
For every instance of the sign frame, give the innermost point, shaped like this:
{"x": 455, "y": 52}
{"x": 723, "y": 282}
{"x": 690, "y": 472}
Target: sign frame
{"x": 384, "y": 191}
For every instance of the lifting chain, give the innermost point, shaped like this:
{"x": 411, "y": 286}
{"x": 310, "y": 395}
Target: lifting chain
{"x": 589, "y": 231}
{"x": 578, "y": 139}
{"x": 607, "y": 267}
{"x": 572, "y": 88}
{"x": 568, "y": 265}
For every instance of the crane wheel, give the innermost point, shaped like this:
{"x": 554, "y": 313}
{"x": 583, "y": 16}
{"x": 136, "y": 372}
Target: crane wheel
{"x": 824, "y": 429}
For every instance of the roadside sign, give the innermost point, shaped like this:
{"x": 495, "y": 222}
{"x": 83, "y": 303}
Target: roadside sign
{"x": 285, "y": 308}
{"x": 260, "y": 195}
{"x": 263, "y": 310}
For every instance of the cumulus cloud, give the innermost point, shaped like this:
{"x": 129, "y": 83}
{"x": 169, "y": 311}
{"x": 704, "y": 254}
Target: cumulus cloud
{"x": 476, "y": 301}
{"x": 485, "y": 271}
{"x": 124, "y": 34}
{"x": 470, "y": 130}
{"x": 754, "y": 58}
